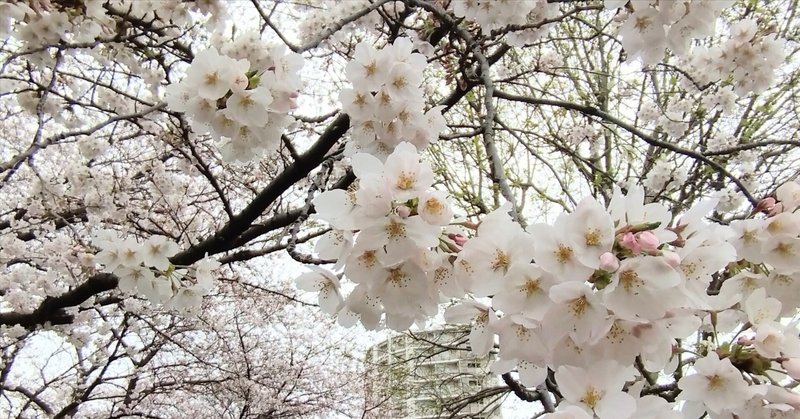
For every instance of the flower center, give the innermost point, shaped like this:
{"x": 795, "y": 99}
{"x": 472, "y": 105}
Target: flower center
{"x": 434, "y": 206}
{"x": 360, "y": 100}
{"x": 532, "y": 287}
{"x": 578, "y": 306}
{"x": 405, "y": 181}
{"x": 246, "y": 101}
{"x": 592, "y": 237}
{"x": 397, "y": 276}
{"x": 563, "y": 253}
{"x": 715, "y": 382}
{"x": 399, "y": 82}
{"x": 785, "y": 249}
{"x": 591, "y": 397}
{"x": 501, "y": 261}
{"x": 749, "y": 236}
{"x": 642, "y": 23}
{"x": 368, "y": 259}
{"x": 371, "y": 68}
{"x": 629, "y": 280}
{"x": 395, "y": 230}
{"x": 212, "y": 79}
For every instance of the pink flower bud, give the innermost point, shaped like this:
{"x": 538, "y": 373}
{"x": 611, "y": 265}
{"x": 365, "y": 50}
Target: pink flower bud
{"x": 609, "y": 262}
{"x": 671, "y": 258}
{"x": 776, "y": 209}
{"x": 765, "y": 204}
{"x": 402, "y": 211}
{"x": 792, "y": 367}
{"x": 240, "y": 83}
{"x": 648, "y": 241}
{"x": 744, "y": 340}
{"x": 458, "y": 238}
{"x": 629, "y": 242}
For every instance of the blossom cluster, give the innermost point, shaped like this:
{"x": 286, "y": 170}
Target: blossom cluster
{"x": 494, "y": 15}
{"x": 40, "y": 23}
{"x": 396, "y": 257}
{"x": 337, "y": 17}
{"x": 243, "y": 102}
{"x": 144, "y": 268}
{"x": 592, "y": 294}
{"x": 386, "y": 101}
{"x": 663, "y": 176}
{"x": 750, "y": 57}
{"x": 650, "y": 27}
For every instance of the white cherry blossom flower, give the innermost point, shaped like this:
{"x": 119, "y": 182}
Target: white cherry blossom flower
{"x": 406, "y": 175}
{"x": 365, "y": 262}
{"x": 520, "y": 339}
{"x": 785, "y": 288}
{"x": 557, "y": 253}
{"x": 404, "y": 290}
{"x": 526, "y": 292}
{"x": 760, "y": 308}
{"x": 359, "y": 104}
{"x": 630, "y": 209}
{"x": 212, "y": 75}
{"x": 444, "y": 278}
{"x": 400, "y": 236}
{"x": 335, "y": 244}
{"x": 361, "y": 305}
{"x": 741, "y": 285}
{"x": 772, "y": 339}
{"x": 326, "y": 284}
{"x": 204, "y": 272}
{"x": 591, "y": 230}
{"x": 133, "y": 278}
{"x": 577, "y": 312}
{"x": 716, "y": 383}
{"x": 435, "y": 208}
{"x": 643, "y": 35}
{"x": 621, "y": 343}
{"x": 337, "y": 207}
{"x": 658, "y": 337}
{"x": 481, "y": 335}
{"x": 530, "y": 375}
{"x": 568, "y": 411}
{"x": 157, "y": 250}
{"x": 643, "y": 288}
{"x": 131, "y": 253}
{"x": 157, "y": 289}
{"x": 651, "y": 406}
{"x": 485, "y": 260}
{"x": 598, "y": 389}
{"x": 789, "y": 195}
{"x": 369, "y": 67}
{"x": 250, "y": 107}
{"x": 782, "y": 253}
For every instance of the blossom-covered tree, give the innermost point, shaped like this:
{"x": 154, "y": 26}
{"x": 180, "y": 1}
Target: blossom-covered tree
{"x": 604, "y": 190}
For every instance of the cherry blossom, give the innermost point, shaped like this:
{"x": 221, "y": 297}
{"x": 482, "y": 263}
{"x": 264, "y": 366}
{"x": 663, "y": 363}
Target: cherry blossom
{"x": 597, "y": 390}
{"x": 324, "y": 282}
{"x": 606, "y": 195}
{"x": 717, "y": 384}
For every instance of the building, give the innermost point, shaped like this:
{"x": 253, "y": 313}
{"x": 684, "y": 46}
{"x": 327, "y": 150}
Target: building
{"x": 431, "y": 374}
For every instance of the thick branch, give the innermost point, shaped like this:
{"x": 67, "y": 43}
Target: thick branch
{"x": 51, "y": 310}
{"x": 223, "y": 239}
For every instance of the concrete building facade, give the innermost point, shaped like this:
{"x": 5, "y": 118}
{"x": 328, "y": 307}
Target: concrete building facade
{"x": 430, "y": 374}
